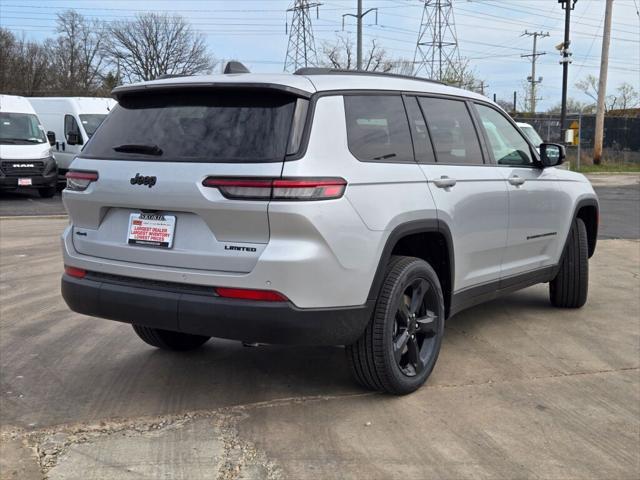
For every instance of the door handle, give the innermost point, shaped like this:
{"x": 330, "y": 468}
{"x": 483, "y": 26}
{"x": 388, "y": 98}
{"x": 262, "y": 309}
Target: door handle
{"x": 516, "y": 180}
{"x": 445, "y": 182}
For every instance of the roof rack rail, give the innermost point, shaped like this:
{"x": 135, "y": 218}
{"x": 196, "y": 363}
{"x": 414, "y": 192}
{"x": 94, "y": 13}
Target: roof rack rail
{"x": 337, "y": 71}
{"x": 235, "y": 67}
{"x": 171, "y": 75}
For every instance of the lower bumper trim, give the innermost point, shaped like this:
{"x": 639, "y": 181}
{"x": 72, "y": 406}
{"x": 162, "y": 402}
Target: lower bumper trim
{"x": 200, "y": 314}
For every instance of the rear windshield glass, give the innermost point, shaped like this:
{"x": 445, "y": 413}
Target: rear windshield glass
{"x": 196, "y": 126}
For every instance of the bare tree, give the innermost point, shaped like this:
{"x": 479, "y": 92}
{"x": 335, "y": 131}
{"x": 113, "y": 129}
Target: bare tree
{"x": 77, "y": 53}
{"x": 341, "y": 55}
{"x": 627, "y": 96}
{"x": 25, "y": 67}
{"x": 589, "y": 86}
{"x": 574, "y": 106}
{"x": 462, "y": 75}
{"x": 157, "y": 44}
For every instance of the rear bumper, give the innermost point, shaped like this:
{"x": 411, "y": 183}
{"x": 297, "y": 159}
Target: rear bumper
{"x": 199, "y": 312}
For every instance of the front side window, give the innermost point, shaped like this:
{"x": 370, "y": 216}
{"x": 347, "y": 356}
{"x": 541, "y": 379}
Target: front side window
{"x": 377, "y": 128}
{"x": 507, "y": 144}
{"x": 212, "y": 126}
{"x": 452, "y": 131}
{"x": 20, "y": 129}
{"x": 91, "y": 122}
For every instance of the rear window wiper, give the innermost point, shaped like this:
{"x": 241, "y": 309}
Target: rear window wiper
{"x": 136, "y": 148}
{"x": 385, "y": 157}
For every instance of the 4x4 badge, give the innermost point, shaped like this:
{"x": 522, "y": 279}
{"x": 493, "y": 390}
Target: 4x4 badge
{"x": 140, "y": 180}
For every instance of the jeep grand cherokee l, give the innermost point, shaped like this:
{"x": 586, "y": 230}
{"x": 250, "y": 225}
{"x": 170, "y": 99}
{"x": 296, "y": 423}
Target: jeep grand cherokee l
{"x": 320, "y": 208}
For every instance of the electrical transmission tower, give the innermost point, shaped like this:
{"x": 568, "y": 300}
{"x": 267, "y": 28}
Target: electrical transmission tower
{"x": 437, "y": 54}
{"x": 301, "y": 50}
{"x": 533, "y": 56}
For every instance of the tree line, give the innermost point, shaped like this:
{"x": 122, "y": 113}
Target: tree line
{"x": 89, "y": 57}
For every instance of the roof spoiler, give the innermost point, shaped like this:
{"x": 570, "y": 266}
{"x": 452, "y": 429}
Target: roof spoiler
{"x": 235, "y": 67}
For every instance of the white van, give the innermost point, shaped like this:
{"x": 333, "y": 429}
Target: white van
{"x": 74, "y": 120}
{"x": 26, "y": 160}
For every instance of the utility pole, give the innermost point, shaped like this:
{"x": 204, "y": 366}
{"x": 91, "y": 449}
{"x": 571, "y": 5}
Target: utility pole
{"x": 437, "y": 55}
{"x": 482, "y": 86}
{"x": 359, "y": 16}
{"x": 602, "y": 84}
{"x": 301, "y": 49}
{"x": 534, "y": 56}
{"x": 567, "y": 5}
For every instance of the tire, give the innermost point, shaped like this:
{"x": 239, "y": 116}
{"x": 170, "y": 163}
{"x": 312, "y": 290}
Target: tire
{"x": 47, "y": 192}
{"x": 570, "y": 286}
{"x": 168, "y": 340}
{"x": 378, "y": 364}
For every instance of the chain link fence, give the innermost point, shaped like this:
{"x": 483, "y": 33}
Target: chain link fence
{"x": 621, "y": 143}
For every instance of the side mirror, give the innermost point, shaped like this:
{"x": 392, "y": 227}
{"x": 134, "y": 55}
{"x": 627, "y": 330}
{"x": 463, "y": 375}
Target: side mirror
{"x": 552, "y": 154}
{"x": 51, "y": 136}
{"x": 74, "y": 139}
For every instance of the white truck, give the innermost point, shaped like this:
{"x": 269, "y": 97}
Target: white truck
{"x": 26, "y": 160}
{"x": 73, "y": 120}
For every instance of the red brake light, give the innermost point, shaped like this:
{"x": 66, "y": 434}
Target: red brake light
{"x": 78, "y": 181}
{"x": 278, "y": 188}
{"x": 245, "y": 294}
{"x": 75, "y": 272}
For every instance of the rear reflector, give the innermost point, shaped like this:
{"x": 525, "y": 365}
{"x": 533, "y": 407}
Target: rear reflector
{"x": 278, "y": 188}
{"x": 78, "y": 181}
{"x": 75, "y": 272}
{"x": 244, "y": 294}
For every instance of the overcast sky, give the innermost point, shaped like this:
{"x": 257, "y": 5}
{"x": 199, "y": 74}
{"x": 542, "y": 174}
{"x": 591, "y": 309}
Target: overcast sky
{"x": 489, "y": 33}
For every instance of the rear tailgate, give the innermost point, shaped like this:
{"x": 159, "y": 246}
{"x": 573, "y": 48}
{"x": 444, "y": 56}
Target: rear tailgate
{"x": 166, "y": 145}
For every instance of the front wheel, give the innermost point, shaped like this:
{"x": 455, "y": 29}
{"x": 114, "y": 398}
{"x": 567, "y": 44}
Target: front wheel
{"x": 570, "y": 286}
{"x": 168, "y": 340}
{"x": 400, "y": 346}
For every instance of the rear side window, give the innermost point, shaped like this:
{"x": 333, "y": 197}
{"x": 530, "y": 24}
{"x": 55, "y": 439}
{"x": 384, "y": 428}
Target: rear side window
{"x": 197, "y": 126}
{"x": 454, "y": 136}
{"x": 377, "y": 128}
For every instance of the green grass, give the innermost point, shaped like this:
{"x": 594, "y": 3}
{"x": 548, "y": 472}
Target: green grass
{"x": 608, "y": 168}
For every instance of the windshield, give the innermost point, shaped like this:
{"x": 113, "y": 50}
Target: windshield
{"x": 20, "y": 129}
{"x": 196, "y": 126}
{"x": 532, "y": 135}
{"x": 91, "y": 122}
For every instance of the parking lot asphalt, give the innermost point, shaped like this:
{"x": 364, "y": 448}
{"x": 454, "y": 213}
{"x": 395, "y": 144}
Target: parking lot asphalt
{"x": 521, "y": 390}
{"x": 619, "y": 203}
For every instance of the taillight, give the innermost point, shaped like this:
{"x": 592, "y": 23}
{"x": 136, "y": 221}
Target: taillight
{"x": 278, "y": 188}
{"x": 247, "y": 294}
{"x": 75, "y": 272}
{"x": 78, "y": 181}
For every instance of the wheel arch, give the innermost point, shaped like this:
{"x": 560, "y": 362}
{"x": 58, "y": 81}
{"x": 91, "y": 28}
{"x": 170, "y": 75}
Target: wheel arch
{"x": 588, "y": 211}
{"x": 430, "y": 240}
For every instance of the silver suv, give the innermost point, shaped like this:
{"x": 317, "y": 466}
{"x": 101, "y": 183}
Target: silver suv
{"x": 324, "y": 208}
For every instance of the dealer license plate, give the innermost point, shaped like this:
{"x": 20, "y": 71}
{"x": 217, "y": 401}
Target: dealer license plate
{"x": 24, "y": 182}
{"x": 151, "y": 230}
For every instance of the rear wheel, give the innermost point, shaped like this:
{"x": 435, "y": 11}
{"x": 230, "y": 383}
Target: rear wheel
{"x": 168, "y": 340}
{"x": 400, "y": 346}
{"x": 570, "y": 286}
{"x": 47, "y": 192}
